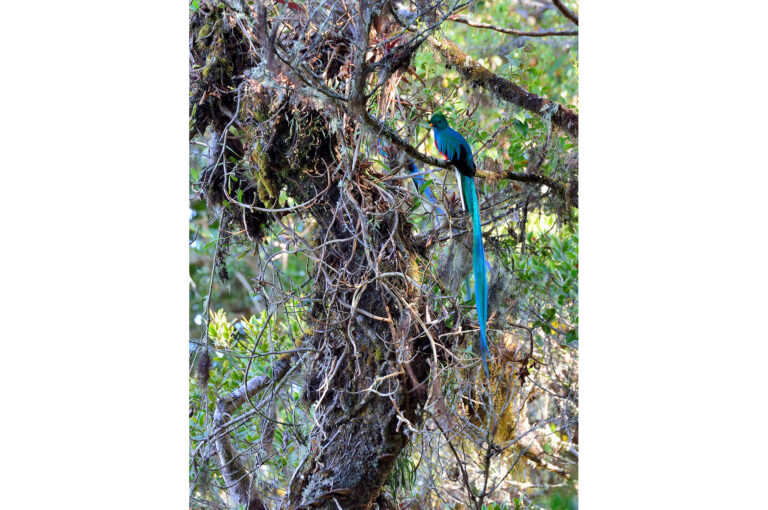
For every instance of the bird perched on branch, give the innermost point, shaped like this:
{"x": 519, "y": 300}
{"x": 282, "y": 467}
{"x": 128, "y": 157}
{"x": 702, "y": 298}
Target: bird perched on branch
{"x": 453, "y": 147}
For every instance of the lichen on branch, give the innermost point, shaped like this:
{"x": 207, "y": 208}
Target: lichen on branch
{"x": 477, "y": 74}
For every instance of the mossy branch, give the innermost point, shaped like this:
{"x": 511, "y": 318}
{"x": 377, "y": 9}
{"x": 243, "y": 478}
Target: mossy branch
{"x": 475, "y": 73}
{"x": 381, "y": 129}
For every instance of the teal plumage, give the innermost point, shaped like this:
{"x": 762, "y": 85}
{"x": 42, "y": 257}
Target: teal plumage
{"x": 457, "y": 150}
{"x": 452, "y": 145}
{"x": 478, "y": 264}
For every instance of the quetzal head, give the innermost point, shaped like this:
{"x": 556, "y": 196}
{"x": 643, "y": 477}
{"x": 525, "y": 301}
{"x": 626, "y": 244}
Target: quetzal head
{"x": 438, "y": 121}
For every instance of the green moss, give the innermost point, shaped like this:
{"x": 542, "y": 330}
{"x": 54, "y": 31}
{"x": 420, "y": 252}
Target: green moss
{"x": 266, "y": 191}
{"x": 413, "y": 270}
{"x": 210, "y": 60}
{"x": 266, "y": 187}
{"x": 204, "y": 32}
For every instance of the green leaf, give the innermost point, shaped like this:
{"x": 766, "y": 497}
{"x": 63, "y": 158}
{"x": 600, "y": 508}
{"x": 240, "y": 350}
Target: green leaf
{"x": 521, "y": 126}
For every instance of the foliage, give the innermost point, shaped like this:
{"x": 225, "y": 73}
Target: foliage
{"x": 241, "y": 351}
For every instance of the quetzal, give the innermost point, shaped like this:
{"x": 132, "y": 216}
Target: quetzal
{"x": 455, "y": 149}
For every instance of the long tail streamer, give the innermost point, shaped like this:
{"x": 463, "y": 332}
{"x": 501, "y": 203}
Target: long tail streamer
{"x": 478, "y": 264}
{"x": 418, "y": 181}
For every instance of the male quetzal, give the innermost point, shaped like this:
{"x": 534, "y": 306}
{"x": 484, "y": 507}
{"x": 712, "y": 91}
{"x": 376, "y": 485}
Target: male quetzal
{"x": 455, "y": 149}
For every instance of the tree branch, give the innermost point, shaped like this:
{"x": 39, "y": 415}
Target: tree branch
{"x": 566, "y": 11}
{"x": 379, "y": 128}
{"x": 475, "y": 73}
{"x": 511, "y": 31}
{"x": 533, "y": 178}
{"x": 233, "y": 469}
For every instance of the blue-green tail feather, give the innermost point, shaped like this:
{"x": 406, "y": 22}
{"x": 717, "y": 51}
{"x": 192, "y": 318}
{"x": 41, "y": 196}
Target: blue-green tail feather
{"x": 478, "y": 264}
{"x": 390, "y": 152}
{"x": 419, "y": 181}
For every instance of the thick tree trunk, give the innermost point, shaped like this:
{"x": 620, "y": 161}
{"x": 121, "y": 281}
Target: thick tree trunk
{"x": 366, "y": 382}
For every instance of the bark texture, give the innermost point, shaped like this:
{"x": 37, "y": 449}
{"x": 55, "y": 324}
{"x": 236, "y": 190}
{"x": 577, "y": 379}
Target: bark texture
{"x": 477, "y": 74}
{"x": 368, "y": 308}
